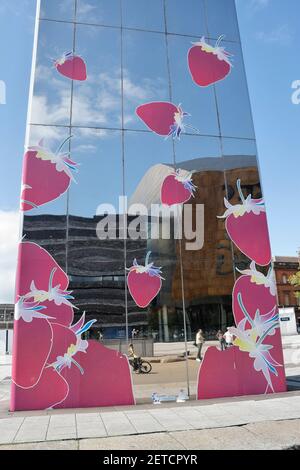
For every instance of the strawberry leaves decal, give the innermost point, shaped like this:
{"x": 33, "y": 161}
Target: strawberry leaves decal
{"x": 208, "y": 64}
{"x": 144, "y": 282}
{"x": 247, "y": 227}
{"x": 71, "y": 66}
{"x": 177, "y": 188}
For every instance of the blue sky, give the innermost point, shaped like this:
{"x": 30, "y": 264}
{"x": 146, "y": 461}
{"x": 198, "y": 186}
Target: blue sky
{"x": 269, "y": 34}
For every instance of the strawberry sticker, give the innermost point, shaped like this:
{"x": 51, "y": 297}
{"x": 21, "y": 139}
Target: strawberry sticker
{"x": 258, "y": 292}
{"x": 254, "y": 304}
{"x": 46, "y": 175}
{"x": 163, "y": 118}
{"x": 247, "y": 227}
{"x": 71, "y": 66}
{"x": 144, "y": 282}
{"x": 208, "y": 64}
{"x": 51, "y": 360}
{"x": 177, "y": 188}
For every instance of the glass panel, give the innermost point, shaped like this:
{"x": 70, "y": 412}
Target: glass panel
{"x": 222, "y": 19}
{"x": 143, "y": 14}
{"x": 58, "y": 9}
{"x": 207, "y": 267}
{"x": 233, "y": 98}
{"x": 100, "y": 12}
{"x": 98, "y": 154}
{"x": 199, "y": 103}
{"x": 97, "y": 102}
{"x": 199, "y": 153}
{"x": 186, "y": 17}
{"x": 45, "y": 190}
{"x": 148, "y": 161}
{"x": 52, "y": 91}
{"x": 145, "y": 80}
{"x": 96, "y": 267}
{"x": 240, "y": 148}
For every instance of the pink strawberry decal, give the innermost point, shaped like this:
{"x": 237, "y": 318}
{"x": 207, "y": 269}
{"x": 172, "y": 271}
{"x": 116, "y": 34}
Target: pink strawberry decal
{"x": 71, "y": 66}
{"x": 208, "y": 64}
{"x": 254, "y": 304}
{"x": 52, "y": 362}
{"x": 247, "y": 227}
{"x": 91, "y": 389}
{"x": 258, "y": 292}
{"x": 41, "y": 287}
{"x": 46, "y": 175}
{"x": 144, "y": 282}
{"x": 164, "y": 118}
{"x": 230, "y": 373}
{"x": 177, "y": 188}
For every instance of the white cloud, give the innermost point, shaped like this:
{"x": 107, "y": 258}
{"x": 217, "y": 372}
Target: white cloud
{"x": 84, "y": 9}
{"x": 97, "y": 103}
{"x": 256, "y": 5}
{"x": 9, "y": 238}
{"x": 252, "y": 7}
{"x": 281, "y": 35}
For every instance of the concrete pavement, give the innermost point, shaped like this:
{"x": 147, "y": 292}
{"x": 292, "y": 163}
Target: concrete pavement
{"x": 199, "y": 424}
{"x": 262, "y": 422}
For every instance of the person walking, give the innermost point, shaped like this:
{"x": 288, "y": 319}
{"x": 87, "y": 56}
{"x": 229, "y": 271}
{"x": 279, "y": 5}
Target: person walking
{"x": 221, "y": 339}
{"x": 228, "y": 336}
{"x": 200, "y": 340}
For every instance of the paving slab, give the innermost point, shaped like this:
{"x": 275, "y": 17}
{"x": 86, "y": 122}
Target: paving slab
{"x": 278, "y": 434}
{"x": 33, "y": 429}
{"x": 194, "y": 417}
{"x": 9, "y": 428}
{"x": 117, "y": 424}
{"x": 219, "y": 439}
{"x": 90, "y": 425}
{"x": 61, "y": 433}
{"x": 158, "y": 441}
{"x": 144, "y": 422}
{"x": 196, "y": 440}
{"x": 58, "y": 445}
{"x": 170, "y": 420}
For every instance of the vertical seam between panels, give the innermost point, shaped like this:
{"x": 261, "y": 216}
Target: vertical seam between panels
{"x": 221, "y": 143}
{"x": 70, "y": 143}
{"x": 123, "y": 175}
{"x": 181, "y": 207}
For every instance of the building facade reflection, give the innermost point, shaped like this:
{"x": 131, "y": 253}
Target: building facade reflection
{"x": 96, "y": 267}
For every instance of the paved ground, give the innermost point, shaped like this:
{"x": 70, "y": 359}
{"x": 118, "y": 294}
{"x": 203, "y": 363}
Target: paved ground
{"x": 268, "y": 422}
{"x": 260, "y": 436}
{"x": 271, "y": 422}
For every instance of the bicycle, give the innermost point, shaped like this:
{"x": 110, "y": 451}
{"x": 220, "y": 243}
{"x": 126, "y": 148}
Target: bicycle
{"x": 140, "y": 366}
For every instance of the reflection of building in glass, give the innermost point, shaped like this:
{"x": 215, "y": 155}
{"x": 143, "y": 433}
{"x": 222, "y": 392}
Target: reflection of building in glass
{"x": 96, "y": 267}
{"x": 286, "y": 266}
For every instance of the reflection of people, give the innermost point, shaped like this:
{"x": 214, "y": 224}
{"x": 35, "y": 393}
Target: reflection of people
{"x": 134, "y": 333}
{"x": 228, "y": 338}
{"x": 100, "y": 335}
{"x": 199, "y": 343}
{"x": 221, "y": 339}
{"x": 133, "y": 356}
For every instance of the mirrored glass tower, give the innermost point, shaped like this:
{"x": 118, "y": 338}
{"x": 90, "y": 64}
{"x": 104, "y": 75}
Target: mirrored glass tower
{"x": 145, "y": 263}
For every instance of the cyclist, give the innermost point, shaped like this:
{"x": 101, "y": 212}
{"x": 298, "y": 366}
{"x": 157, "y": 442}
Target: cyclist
{"x": 134, "y": 358}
